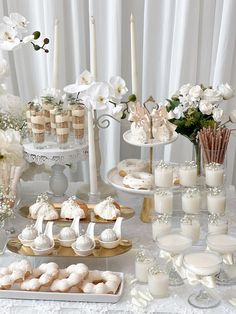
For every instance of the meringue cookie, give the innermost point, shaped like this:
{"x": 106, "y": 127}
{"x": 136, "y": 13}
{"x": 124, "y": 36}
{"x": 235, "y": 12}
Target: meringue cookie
{"x": 107, "y": 209}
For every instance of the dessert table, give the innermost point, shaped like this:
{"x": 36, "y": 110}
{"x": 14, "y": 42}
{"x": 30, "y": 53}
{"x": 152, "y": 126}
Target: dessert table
{"x": 139, "y": 233}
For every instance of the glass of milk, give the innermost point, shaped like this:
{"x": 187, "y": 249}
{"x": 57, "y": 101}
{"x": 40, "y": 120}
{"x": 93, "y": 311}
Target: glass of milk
{"x": 161, "y": 225}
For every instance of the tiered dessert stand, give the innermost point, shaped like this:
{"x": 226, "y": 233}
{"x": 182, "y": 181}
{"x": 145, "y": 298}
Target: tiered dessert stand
{"x": 57, "y": 159}
{"x": 117, "y": 181}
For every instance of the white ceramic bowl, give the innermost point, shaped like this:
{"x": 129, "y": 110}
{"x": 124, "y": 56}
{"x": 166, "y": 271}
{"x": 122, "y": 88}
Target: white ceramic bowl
{"x": 82, "y": 252}
{"x": 27, "y": 243}
{"x": 42, "y": 252}
{"x": 66, "y": 243}
{"x": 110, "y": 244}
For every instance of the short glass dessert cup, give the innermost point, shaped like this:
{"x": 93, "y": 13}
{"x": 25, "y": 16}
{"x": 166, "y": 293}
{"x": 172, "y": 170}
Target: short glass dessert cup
{"x": 191, "y": 201}
{"x": 214, "y": 173}
{"x": 161, "y": 225}
{"x": 188, "y": 174}
{"x": 163, "y": 201}
{"x": 201, "y": 268}
{"x": 172, "y": 247}
{"x": 225, "y": 245}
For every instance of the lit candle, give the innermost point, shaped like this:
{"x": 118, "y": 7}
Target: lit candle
{"x": 188, "y": 174}
{"x": 163, "y": 175}
{"x": 216, "y": 201}
{"x": 190, "y": 228}
{"x": 92, "y": 155}
{"x": 158, "y": 282}
{"x": 55, "y": 73}
{"x": 191, "y": 201}
{"x": 134, "y": 74}
{"x": 214, "y": 174}
{"x": 163, "y": 202}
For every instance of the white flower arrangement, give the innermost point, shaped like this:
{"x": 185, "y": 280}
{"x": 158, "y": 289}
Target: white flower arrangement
{"x": 196, "y": 106}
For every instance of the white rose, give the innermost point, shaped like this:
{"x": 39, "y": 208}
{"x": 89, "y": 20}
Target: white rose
{"x": 212, "y": 95}
{"x": 4, "y": 70}
{"x": 218, "y": 114}
{"x": 196, "y": 91}
{"x": 226, "y": 91}
{"x": 205, "y": 107}
{"x": 184, "y": 89}
{"x": 232, "y": 116}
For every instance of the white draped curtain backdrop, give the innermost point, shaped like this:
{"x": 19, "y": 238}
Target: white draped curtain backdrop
{"x": 178, "y": 41}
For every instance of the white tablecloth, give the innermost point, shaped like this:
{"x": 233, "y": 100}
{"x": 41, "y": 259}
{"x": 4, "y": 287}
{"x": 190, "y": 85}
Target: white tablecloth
{"x": 133, "y": 229}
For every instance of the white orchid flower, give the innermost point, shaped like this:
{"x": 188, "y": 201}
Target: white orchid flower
{"x": 8, "y": 39}
{"x": 4, "y": 70}
{"x": 28, "y": 39}
{"x": 85, "y": 78}
{"x": 117, "y": 111}
{"x": 119, "y": 86}
{"x": 16, "y": 20}
{"x": 205, "y": 107}
{"x": 97, "y": 96}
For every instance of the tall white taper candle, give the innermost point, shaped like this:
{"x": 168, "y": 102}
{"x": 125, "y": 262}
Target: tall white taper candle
{"x": 134, "y": 74}
{"x": 92, "y": 151}
{"x": 93, "y": 48}
{"x": 55, "y": 73}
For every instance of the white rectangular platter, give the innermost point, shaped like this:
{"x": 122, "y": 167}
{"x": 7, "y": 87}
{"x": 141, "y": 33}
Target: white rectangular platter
{"x": 68, "y": 296}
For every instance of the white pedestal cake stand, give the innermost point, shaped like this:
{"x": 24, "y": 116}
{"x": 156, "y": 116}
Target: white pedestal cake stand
{"x": 57, "y": 158}
{"x": 117, "y": 181}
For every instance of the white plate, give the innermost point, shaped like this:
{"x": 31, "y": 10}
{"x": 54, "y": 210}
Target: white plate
{"x": 60, "y": 296}
{"x": 116, "y": 181}
{"x": 128, "y": 138}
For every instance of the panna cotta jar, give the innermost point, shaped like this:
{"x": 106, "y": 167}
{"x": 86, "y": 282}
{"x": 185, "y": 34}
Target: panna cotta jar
{"x": 217, "y": 225}
{"x": 190, "y": 227}
{"x": 158, "y": 282}
{"x": 188, "y": 174}
{"x": 163, "y": 201}
{"x": 216, "y": 201}
{"x": 163, "y": 175}
{"x": 161, "y": 225}
{"x": 191, "y": 201}
{"x": 143, "y": 262}
{"x": 214, "y": 174}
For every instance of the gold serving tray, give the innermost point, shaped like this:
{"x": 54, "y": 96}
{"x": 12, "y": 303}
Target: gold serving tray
{"x": 15, "y": 246}
{"x": 126, "y": 213}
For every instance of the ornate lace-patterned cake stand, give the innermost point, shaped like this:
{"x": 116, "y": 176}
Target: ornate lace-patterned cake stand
{"x": 57, "y": 158}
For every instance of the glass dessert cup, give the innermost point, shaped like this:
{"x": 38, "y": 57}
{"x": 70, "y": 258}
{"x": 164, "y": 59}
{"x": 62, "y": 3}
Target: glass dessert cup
{"x": 202, "y": 266}
{"x": 225, "y": 245}
{"x": 172, "y": 246}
